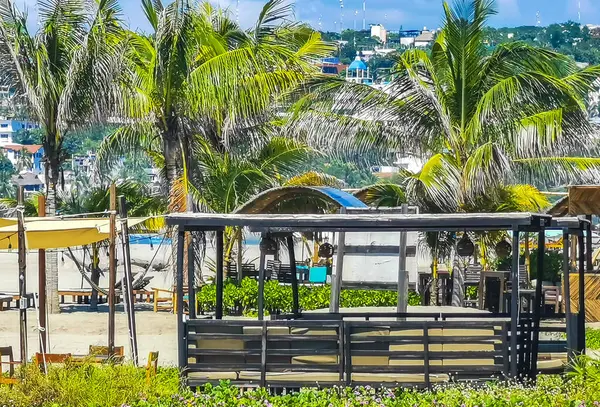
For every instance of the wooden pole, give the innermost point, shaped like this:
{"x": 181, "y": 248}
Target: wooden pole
{"x": 219, "y": 276}
{"x": 42, "y": 283}
{"x": 539, "y": 302}
{"x": 402, "y": 293}
{"x": 338, "y": 278}
{"x": 128, "y": 280}
{"x": 112, "y": 268}
{"x": 22, "y": 277}
{"x": 567, "y": 296}
{"x": 191, "y": 279}
{"x": 514, "y": 306}
{"x": 581, "y": 286}
{"x": 181, "y": 331}
{"x": 292, "y": 256}
{"x": 261, "y": 283}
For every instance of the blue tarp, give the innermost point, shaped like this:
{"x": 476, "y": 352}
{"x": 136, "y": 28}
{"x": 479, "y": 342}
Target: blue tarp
{"x": 342, "y": 198}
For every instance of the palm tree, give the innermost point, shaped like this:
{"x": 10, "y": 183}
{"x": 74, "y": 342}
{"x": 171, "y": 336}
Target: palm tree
{"x": 83, "y": 197}
{"x": 223, "y": 182}
{"x": 481, "y": 122}
{"x": 63, "y": 72}
{"x": 200, "y": 74}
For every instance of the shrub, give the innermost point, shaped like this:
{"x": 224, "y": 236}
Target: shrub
{"x": 243, "y": 297}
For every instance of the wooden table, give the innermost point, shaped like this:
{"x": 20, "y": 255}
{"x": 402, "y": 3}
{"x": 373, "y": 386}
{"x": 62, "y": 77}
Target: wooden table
{"x": 501, "y": 275}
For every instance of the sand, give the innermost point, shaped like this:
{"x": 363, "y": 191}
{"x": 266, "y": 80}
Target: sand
{"x": 75, "y": 329}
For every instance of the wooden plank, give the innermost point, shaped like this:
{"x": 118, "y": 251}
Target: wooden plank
{"x": 591, "y": 295}
{"x": 411, "y": 251}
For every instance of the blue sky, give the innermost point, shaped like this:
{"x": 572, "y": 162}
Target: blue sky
{"x": 411, "y": 14}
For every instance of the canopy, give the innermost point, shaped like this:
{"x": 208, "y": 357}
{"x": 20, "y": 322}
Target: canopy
{"x": 54, "y": 233}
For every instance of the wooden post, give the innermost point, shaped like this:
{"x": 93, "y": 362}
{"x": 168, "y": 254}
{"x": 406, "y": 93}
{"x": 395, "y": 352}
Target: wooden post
{"x": 240, "y": 258}
{"x": 128, "y": 286}
{"x": 514, "y": 307}
{"x": 539, "y": 302}
{"x": 181, "y": 331}
{"x": 261, "y": 283}
{"x": 581, "y": 314}
{"x": 219, "y": 276}
{"x": 191, "y": 279}
{"x": 567, "y": 293}
{"x": 42, "y": 283}
{"x": 338, "y": 278}
{"x": 112, "y": 268}
{"x": 292, "y": 256}
{"x": 22, "y": 277}
{"x": 402, "y": 272}
{"x": 588, "y": 245}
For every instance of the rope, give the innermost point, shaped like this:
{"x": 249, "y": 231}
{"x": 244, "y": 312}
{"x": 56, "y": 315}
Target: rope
{"x": 139, "y": 279}
{"x": 82, "y": 271}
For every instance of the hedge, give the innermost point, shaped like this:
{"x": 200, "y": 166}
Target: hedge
{"x": 241, "y": 298}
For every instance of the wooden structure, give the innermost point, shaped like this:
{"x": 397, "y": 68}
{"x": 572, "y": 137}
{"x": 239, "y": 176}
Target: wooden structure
{"x": 583, "y": 200}
{"x": 342, "y": 351}
{"x": 7, "y": 375}
{"x": 591, "y": 283}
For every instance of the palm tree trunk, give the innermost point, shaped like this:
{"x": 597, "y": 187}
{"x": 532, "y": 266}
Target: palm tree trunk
{"x": 170, "y": 153}
{"x": 95, "y": 276}
{"x": 52, "y": 298}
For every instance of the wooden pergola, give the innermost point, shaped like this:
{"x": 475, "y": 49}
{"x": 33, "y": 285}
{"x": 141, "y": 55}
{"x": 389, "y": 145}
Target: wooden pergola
{"x": 285, "y": 225}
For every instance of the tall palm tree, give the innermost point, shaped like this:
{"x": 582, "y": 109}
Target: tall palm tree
{"x": 481, "y": 122}
{"x": 199, "y": 73}
{"x": 64, "y": 73}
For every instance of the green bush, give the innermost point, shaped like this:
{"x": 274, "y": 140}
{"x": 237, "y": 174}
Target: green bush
{"x": 243, "y": 297}
{"x": 125, "y": 386}
{"x": 76, "y": 385}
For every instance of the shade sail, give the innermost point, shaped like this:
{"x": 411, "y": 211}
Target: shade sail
{"x": 55, "y": 233}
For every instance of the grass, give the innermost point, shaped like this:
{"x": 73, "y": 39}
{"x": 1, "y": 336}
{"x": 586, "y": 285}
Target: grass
{"x": 125, "y": 386}
{"x": 592, "y": 338}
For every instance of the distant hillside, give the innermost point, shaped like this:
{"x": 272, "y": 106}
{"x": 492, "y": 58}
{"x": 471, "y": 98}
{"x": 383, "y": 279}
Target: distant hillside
{"x": 582, "y": 43}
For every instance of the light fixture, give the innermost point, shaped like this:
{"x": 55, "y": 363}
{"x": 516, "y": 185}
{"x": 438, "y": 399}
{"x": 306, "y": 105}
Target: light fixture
{"x": 465, "y": 247}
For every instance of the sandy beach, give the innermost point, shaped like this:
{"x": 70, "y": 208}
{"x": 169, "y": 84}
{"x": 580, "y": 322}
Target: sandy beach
{"x": 75, "y": 329}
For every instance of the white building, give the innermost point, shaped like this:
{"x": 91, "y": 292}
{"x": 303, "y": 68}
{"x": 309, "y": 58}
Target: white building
{"x": 380, "y": 32}
{"x": 425, "y": 39}
{"x": 8, "y": 127}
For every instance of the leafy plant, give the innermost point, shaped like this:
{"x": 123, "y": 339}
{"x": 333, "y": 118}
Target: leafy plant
{"x": 243, "y": 297}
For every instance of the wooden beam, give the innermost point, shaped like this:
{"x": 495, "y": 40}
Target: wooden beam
{"x": 112, "y": 267}
{"x": 128, "y": 286}
{"x": 42, "y": 283}
{"x": 22, "y": 278}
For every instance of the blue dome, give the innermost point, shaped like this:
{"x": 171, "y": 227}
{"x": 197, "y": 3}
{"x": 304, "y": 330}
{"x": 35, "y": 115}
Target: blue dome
{"x": 357, "y": 64}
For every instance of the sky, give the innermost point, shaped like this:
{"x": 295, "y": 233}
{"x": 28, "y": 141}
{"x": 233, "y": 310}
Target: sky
{"x": 410, "y": 14}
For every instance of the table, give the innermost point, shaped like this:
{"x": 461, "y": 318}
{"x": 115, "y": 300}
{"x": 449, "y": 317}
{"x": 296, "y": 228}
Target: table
{"x": 502, "y": 275}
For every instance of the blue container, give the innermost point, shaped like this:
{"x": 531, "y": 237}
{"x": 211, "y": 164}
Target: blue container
{"x": 317, "y": 274}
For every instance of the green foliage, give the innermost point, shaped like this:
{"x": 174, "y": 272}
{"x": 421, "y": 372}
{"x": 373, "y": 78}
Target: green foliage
{"x": 243, "y": 297}
{"x": 592, "y": 339}
{"x": 553, "y": 264}
{"x": 125, "y": 386}
{"x": 28, "y": 136}
{"x": 88, "y": 385}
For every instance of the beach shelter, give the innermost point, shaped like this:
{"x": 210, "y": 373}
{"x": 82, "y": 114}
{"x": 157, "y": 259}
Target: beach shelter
{"x": 56, "y": 232}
